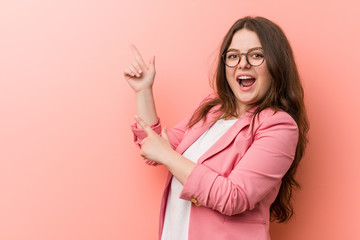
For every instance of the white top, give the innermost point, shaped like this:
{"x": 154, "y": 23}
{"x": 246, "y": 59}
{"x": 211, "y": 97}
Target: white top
{"x": 177, "y": 215}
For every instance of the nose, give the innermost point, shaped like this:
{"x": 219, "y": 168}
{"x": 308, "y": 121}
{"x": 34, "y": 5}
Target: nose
{"x": 243, "y": 62}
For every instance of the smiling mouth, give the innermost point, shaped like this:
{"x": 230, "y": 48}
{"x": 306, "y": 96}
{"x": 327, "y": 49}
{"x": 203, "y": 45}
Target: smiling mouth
{"x": 246, "y": 81}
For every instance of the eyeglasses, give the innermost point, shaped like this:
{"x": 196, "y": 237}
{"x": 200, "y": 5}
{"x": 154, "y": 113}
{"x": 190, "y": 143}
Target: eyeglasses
{"x": 254, "y": 57}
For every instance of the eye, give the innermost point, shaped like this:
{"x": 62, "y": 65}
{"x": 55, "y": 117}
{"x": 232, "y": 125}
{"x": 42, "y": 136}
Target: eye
{"x": 257, "y": 54}
{"x": 232, "y": 55}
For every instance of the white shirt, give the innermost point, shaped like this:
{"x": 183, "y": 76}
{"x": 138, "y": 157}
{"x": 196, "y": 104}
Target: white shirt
{"x": 177, "y": 215}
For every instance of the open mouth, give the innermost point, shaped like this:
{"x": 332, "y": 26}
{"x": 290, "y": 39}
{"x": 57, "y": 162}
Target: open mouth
{"x": 246, "y": 81}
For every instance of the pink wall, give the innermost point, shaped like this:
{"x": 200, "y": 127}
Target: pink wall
{"x": 68, "y": 167}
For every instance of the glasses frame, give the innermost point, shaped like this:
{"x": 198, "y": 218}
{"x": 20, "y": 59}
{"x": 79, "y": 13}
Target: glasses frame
{"x": 223, "y": 57}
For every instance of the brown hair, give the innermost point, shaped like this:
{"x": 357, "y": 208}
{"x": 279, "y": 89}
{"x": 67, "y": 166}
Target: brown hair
{"x": 285, "y": 93}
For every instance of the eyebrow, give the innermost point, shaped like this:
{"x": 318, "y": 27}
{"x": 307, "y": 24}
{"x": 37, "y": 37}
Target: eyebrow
{"x": 233, "y": 49}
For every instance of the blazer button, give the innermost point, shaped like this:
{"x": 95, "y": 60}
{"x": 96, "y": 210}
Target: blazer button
{"x": 193, "y": 200}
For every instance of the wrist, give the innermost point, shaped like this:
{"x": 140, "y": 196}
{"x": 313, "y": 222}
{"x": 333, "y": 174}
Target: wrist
{"x": 144, "y": 92}
{"x": 169, "y": 158}
{"x": 145, "y": 105}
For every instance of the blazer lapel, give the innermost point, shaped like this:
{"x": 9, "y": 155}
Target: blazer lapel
{"x": 227, "y": 138}
{"x": 196, "y": 131}
{"x": 199, "y": 128}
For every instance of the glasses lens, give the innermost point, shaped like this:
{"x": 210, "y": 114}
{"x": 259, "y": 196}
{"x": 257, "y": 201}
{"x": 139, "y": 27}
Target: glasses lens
{"x": 256, "y": 57}
{"x": 231, "y": 58}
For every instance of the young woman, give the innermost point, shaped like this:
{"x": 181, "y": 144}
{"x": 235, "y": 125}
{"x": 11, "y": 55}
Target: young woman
{"x": 232, "y": 162}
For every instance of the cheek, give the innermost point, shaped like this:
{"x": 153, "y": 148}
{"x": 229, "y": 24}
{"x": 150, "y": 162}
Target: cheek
{"x": 266, "y": 80}
{"x": 229, "y": 74}
{"x": 265, "y": 86}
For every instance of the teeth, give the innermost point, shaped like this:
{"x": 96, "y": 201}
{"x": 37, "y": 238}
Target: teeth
{"x": 244, "y": 77}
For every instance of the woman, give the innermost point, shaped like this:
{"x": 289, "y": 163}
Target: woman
{"x": 232, "y": 162}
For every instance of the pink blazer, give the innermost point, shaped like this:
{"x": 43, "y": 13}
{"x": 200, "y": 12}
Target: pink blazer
{"x": 237, "y": 179}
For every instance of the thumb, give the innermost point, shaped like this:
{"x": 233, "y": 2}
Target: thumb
{"x": 152, "y": 64}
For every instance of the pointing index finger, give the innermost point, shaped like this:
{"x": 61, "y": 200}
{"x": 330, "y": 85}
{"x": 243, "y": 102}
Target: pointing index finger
{"x": 137, "y": 55}
{"x": 143, "y": 125}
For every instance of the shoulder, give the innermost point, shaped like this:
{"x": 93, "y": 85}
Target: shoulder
{"x": 268, "y": 116}
{"x": 276, "y": 129}
{"x": 278, "y": 122}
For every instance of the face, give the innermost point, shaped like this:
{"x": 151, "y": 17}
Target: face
{"x": 248, "y": 83}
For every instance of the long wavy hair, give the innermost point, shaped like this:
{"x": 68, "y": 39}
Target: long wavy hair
{"x": 285, "y": 93}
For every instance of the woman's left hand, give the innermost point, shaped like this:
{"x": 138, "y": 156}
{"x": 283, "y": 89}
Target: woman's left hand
{"x": 154, "y": 147}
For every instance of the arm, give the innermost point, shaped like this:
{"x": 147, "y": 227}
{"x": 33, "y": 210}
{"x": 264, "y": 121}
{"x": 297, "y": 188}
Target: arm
{"x": 174, "y": 135}
{"x": 258, "y": 172}
{"x": 141, "y": 79}
{"x": 158, "y": 149}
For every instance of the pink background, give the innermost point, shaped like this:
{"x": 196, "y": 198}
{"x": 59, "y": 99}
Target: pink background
{"x": 68, "y": 167}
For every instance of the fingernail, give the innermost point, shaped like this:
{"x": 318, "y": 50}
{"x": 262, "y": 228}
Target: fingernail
{"x": 139, "y": 71}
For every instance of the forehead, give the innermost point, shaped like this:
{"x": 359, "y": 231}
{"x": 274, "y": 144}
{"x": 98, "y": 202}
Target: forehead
{"x": 245, "y": 39}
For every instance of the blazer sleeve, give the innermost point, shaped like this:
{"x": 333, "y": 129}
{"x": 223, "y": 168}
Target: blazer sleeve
{"x": 139, "y": 135}
{"x": 260, "y": 170}
{"x": 175, "y": 134}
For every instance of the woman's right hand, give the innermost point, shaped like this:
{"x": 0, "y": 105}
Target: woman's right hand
{"x": 140, "y": 76}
